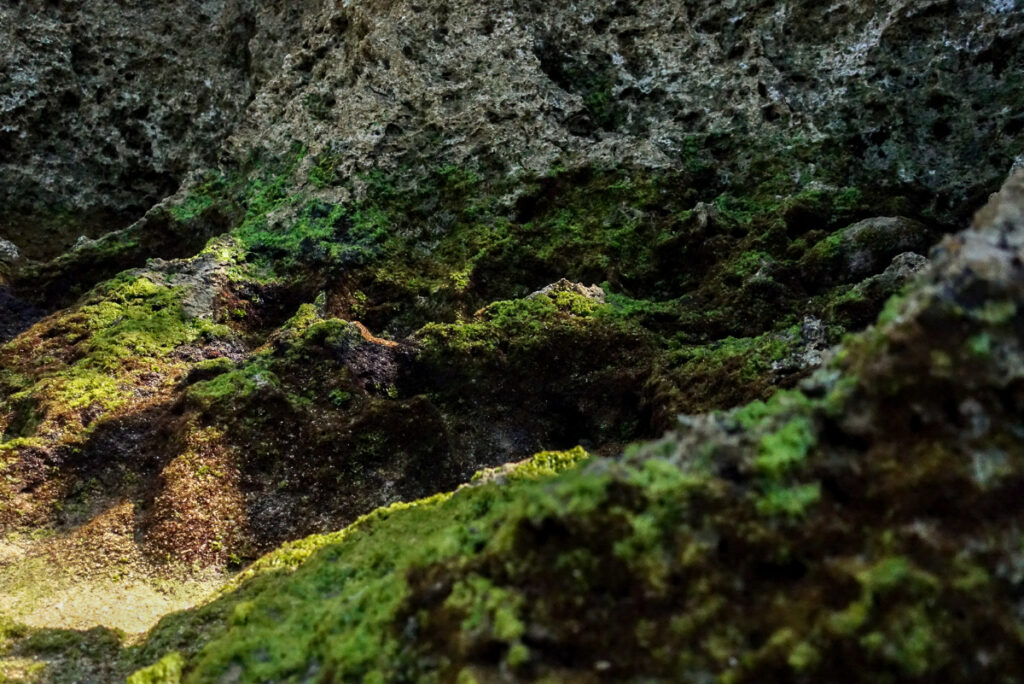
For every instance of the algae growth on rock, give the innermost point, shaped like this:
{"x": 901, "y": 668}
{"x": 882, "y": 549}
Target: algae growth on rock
{"x": 629, "y": 341}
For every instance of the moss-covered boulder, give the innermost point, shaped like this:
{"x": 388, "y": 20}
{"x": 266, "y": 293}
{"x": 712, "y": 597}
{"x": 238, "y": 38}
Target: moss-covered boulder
{"x": 348, "y": 304}
{"x": 817, "y": 536}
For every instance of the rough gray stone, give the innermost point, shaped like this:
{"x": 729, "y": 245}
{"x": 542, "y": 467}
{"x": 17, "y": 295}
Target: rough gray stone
{"x": 594, "y": 292}
{"x": 104, "y": 107}
{"x": 98, "y": 120}
{"x": 9, "y": 252}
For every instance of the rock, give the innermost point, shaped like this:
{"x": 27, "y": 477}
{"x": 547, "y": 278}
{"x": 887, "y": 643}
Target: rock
{"x": 879, "y": 505}
{"x": 813, "y": 346}
{"x": 864, "y": 248}
{"x": 857, "y": 306}
{"x": 300, "y": 165}
{"x": 904, "y": 267}
{"x": 593, "y": 292}
{"x": 101, "y": 120}
{"x": 9, "y": 253}
{"x": 203, "y": 280}
{"x": 900, "y": 271}
{"x": 865, "y": 245}
{"x": 956, "y": 332}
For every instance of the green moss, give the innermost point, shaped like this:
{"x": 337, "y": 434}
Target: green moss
{"x": 751, "y": 263}
{"x": 490, "y": 612}
{"x": 911, "y": 643}
{"x": 269, "y": 633}
{"x": 661, "y": 546}
{"x": 892, "y": 311}
{"x": 126, "y": 327}
{"x": 980, "y": 344}
{"x": 788, "y": 500}
{"x": 372, "y": 591}
{"x": 516, "y": 325}
{"x": 167, "y": 671}
{"x": 235, "y": 385}
{"x": 549, "y": 464}
{"x": 204, "y": 195}
{"x": 211, "y": 368}
{"x": 829, "y": 247}
{"x": 785, "y": 448}
{"x": 541, "y": 465}
{"x": 304, "y": 318}
{"x": 58, "y": 656}
{"x": 803, "y": 657}
{"x": 756, "y": 414}
{"x": 749, "y": 357}
{"x": 908, "y": 636}
{"x": 135, "y": 318}
{"x": 613, "y": 225}
{"x": 373, "y": 594}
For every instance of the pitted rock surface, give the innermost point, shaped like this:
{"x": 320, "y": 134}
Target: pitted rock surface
{"x": 104, "y": 107}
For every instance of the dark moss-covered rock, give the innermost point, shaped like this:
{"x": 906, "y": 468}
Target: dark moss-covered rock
{"x": 347, "y": 304}
{"x": 549, "y": 370}
{"x": 865, "y": 248}
{"x": 234, "y": 394}
{"x": 817, "y": 536}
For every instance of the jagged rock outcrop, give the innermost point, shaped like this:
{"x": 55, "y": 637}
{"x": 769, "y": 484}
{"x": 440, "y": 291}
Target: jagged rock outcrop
{"x": 100, "y": 120}
{"x": 531, "y": 85}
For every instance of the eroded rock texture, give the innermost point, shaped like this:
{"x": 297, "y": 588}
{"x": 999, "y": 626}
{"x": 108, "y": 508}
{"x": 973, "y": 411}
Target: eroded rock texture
{"x": 104, "y": 108}
{"x": 864, "y": 528}
{"x": 266, "y": 267}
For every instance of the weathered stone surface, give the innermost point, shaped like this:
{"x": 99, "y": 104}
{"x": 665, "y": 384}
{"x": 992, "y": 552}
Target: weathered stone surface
{"x": 593, "y": 292}
{"x": 99, "y": 119}
{"x": 301, "y": 252}
{"x": 104, "y": 108}
{"x": 9, "y": 253}
{"x": 863, "y": 529}
{"x": 893, "y": 87}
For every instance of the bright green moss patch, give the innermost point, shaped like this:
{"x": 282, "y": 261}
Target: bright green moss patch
{"x": 167, "y": 671}
{"x": 544, "y": 464}
{"x": 135, "y": 319}
{"x": 549, "y": 464}
{"x": 517, "y": 325}
{"x": 234, "y": 385}
{"x": 787, "y": 447}
{"x": 757, "y": 413}
{"x": 89, "y": 356}
{"x": 371, "y": 594}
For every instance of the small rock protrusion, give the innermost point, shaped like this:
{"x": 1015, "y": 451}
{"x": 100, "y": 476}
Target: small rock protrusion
{"x": 594, "y": 292}
{"x": 82, "y": 242}
{"x": 9, "y": 253}
{"x": 813, "y": 347}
